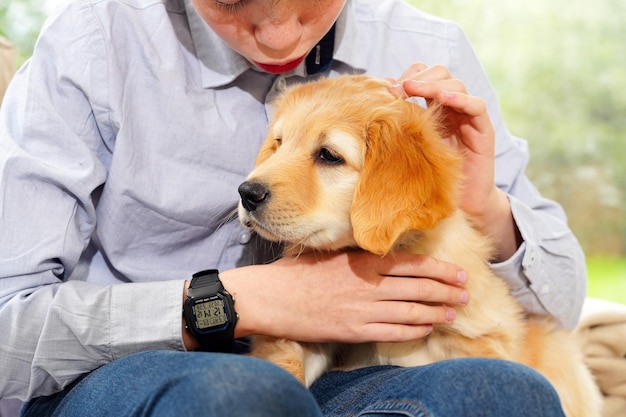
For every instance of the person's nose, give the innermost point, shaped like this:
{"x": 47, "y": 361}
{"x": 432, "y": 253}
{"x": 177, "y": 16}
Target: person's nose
{"x": 280, "y": 31}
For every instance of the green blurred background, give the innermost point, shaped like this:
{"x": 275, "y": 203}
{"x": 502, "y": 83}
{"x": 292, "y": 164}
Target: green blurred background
{"x": 559, "y": 68}
{"x": 560, "y": 71}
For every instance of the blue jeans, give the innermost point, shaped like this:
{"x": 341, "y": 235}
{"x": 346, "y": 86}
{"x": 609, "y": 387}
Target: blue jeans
{"x": 179, "y": 384}
{"x": 454, "y": 388}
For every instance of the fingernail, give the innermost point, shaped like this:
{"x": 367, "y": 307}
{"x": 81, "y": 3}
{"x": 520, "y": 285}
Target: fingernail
{"x": 447, "y": 94}
{"x": 450, "y": 315}
{"x": 461, "y": 277}
{"x": 464, "y": 297}
{"x": 398, "y": 90}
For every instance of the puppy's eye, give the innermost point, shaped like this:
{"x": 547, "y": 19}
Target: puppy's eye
{"x": 328, "y": 156}
{"x": 277, "y": 142}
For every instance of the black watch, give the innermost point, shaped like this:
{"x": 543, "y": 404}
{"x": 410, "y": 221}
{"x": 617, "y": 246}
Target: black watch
{"x": 210, "y": 312}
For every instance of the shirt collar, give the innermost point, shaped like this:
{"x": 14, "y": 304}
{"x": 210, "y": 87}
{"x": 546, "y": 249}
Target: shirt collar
{"x": 349, "y": 45}
{"x": 221, "y": 65}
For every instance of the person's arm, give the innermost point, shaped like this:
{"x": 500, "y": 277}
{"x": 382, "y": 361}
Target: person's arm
{"x": 55, "y": 327}
{"x": 538, "y": 256}
{"x": 547, "y": 273}
{"x": 349, "y": 297}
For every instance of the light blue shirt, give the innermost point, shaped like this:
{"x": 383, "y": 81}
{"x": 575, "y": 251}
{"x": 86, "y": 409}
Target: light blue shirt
{"x": 122, "y": 144}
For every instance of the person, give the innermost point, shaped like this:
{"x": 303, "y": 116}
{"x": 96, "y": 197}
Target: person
{"x": 122, "y": 143}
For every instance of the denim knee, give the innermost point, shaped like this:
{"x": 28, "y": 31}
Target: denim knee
{"x": 486, "y": 387}
{"x": 176, "y": 384}
{"x": 239, "y": 386}
{"x": 476, "y": 387}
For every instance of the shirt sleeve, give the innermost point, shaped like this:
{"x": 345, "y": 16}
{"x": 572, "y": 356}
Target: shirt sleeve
{"x": 54, "y": 151}
{"x": 547, "y": 274}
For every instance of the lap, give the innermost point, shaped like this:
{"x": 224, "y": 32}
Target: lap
{"x": 459, "y": 387}
{"x": 164, "y": 383}
{"x": 188, "y": 384}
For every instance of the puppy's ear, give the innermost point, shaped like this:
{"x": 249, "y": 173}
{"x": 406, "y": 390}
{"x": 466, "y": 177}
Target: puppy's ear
{"x": 409, "y": 181}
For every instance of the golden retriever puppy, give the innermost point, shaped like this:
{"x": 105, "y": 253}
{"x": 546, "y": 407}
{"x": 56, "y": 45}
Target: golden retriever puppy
{"x": 347, "y": 164}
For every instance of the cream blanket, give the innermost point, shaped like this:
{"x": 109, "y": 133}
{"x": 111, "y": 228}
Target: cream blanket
{"x": 602, "y": 329}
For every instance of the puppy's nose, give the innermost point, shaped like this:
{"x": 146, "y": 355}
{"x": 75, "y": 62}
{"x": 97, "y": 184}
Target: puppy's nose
{"x": 253, "y": 194}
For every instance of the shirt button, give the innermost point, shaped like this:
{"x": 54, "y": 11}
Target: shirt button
{"x": 245, "y": 238}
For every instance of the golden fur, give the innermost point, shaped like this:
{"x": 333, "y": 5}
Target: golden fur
{"x": 394, "y": 188}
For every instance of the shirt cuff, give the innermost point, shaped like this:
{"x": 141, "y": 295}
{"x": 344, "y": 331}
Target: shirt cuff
{"x": 146, "y": 316}
{"x": 522, "y": 270}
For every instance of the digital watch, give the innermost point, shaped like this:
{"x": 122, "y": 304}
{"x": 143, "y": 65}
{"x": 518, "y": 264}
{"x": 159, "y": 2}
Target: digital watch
{"x": 210, "y": 312}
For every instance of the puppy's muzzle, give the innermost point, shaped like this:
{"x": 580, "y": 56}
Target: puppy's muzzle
{"x": 253, "y": 194}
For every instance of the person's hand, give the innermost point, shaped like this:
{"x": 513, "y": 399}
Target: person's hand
{"x": 468, "y": 128}
{"x": 346, "y": 297}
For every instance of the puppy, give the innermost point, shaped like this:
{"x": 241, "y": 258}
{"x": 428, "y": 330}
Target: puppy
{"x": 346, "y": 164}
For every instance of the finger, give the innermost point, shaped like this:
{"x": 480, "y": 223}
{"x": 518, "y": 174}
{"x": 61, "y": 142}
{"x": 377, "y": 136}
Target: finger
{"x": 393, "y": 333}
{"x": 476, "y": 108}
{"x": 413, "y": 71}
{"x": 462, "y": 103}
{"x": 416, "y": 265}
{"x": 417, "y": 72}
{"x": 423, "y": 73}
{"x": 414, "y": 314}
{"x": 421, "y": 290}
{"x": 397, "y": 90}
{"x": 432, "y": 89}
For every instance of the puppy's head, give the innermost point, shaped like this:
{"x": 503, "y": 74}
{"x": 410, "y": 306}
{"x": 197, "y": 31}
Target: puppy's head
{"x": 346, "y": 163}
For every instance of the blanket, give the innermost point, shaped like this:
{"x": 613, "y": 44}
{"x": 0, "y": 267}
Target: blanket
{"x": 602, "y": 329}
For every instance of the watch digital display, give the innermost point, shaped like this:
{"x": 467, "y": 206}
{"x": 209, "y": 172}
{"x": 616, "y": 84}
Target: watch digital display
{"x": 210, "y": 314}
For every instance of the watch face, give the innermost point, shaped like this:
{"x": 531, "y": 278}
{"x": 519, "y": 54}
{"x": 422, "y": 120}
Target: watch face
{"x": 210, "y": 313}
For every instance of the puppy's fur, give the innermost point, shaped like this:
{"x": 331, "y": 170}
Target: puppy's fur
{"x": 347, "y": 164}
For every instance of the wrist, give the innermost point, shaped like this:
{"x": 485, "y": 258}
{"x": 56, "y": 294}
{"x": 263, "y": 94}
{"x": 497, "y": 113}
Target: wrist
{"x": 238, "y": 282}
{"x": 498, "y": 223}
{"x": 256, "y": 289}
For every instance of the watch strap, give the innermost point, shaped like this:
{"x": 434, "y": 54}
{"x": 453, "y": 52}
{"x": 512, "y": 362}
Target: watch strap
{"x": 206, "y": 280}
{"x": 205, "y": 283}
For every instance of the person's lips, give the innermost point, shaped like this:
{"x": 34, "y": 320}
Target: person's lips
{"x": 279, "y": 69}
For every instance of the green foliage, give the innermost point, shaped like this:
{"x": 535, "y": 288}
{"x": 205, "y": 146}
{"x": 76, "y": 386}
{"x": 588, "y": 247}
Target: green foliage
{"x": 558, "y": 68}
{"x": 20, "y": 23}
{"x": 607, "y": 279}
